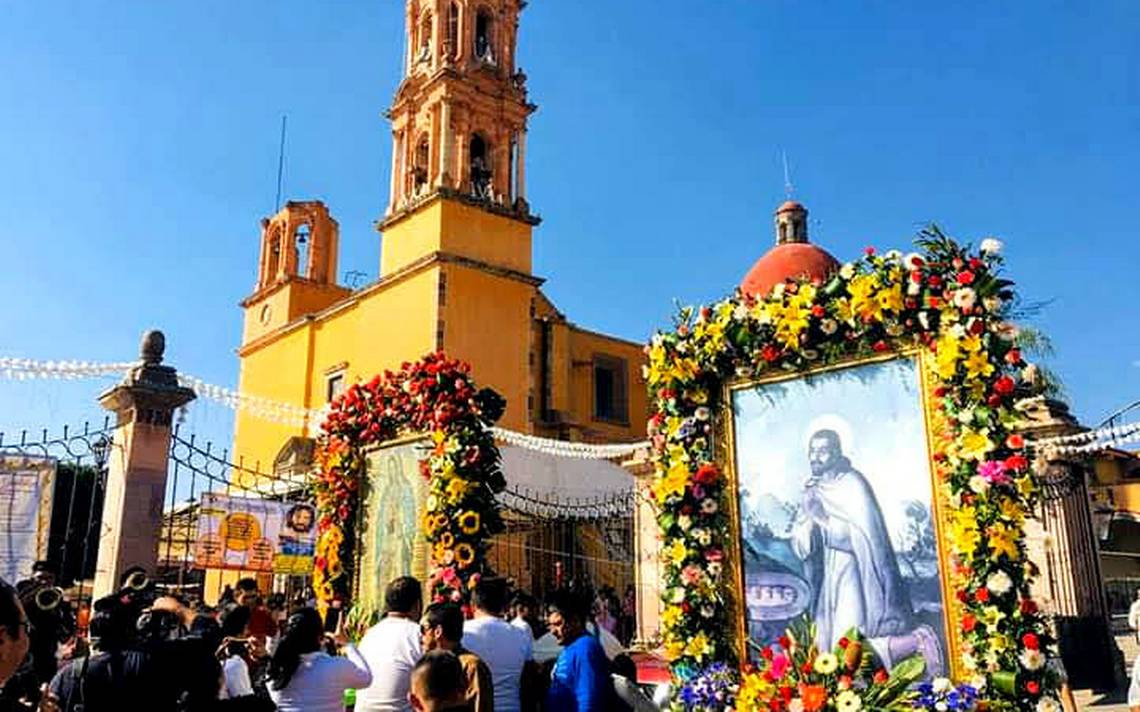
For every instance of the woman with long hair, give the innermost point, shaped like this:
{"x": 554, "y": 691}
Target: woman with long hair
{"x": 234, "y": 653}
{"x": 304, "y": 678}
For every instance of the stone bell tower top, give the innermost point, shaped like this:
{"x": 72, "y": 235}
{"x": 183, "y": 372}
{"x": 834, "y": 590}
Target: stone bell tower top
{"x": 459, "y": 117}
{"x": 791, "y": 223}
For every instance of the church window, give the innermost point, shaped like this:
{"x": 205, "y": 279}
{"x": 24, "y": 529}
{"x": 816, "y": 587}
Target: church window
{"x": 611, "y": 397}
{"x": 453, "y": 30}
{"x": 425, "y": 37}
{"x": 480, "y": 167}
{"x": 422, "y": 161}
{"x": 334, "y": 385}
{"x": 484, "y": 36}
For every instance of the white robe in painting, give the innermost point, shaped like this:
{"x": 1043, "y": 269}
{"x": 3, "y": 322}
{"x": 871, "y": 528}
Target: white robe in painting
{"x": 842, "y": 538}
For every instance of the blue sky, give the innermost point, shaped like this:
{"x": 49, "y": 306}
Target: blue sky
{"x": 140, "y": 146}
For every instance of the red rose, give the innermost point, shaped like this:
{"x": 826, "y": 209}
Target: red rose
{"x": 965, "y": 277}
{"x": 880, "y": 346}
{"x": 766, "y": 653}
{"x": 869, "y": 251}
{"x": 1032, "y": 687}
{"x": 844, "y": 642}
{"x": 806, "y": 668}
{"x": 769, "y": 353}
{"x": 786, "y": 693}
{"x": 1004, "y": 385}
{"x": 1028, "y": 607}
{"x": 916, "y": 277}
{"x": 910, "y": 303}
{"x": 969, "y": 622}
{"x": 1030, "y": 641}
{"x": 934, "y": 302}
{"x": 1016, "y": 462}
{"x": 817, "y": 311}
{"x": 686, "y": 607}
{"x": 1015, "y": 441}
{"x": 975, "y": 263}
{"x": 1013, "y": 356}
{"x": 880, "y": 676}
{"x": 993, "y": 400}
{"x": 707, "y": 474}
{"x": 934, "y": 281}
{"x": 963, "y": 595}
{"x": 982, "y": 595}
{"x": 785, "y": 642}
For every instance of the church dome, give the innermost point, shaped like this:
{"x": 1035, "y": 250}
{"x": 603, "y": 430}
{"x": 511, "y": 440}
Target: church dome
{"x": 793, "y": 257}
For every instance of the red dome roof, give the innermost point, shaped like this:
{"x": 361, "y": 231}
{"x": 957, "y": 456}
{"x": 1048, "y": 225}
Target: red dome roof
{"x": 793, "y": 260}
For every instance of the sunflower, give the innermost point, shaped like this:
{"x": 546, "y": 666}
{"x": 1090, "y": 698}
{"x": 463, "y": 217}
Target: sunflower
{"x": 464, "y": 555}
{"x": 469, "y": 522}
{"x": 447, "y": 540}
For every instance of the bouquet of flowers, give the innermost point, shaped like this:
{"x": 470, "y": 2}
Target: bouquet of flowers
{"x": 796, "y": 676}
{"x": 942, "y": 695}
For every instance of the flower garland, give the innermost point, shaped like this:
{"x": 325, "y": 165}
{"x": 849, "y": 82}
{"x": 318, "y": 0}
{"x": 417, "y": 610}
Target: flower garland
{"x": 947, "y": 300}
{"x": 437, "y": 397}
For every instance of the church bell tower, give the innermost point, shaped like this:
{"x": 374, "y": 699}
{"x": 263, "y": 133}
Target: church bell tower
{"x": 459, "y": 121}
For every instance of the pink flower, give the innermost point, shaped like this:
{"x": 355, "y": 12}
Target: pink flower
{"x": 690, "y": 574}
{"x": 993, "y": 471}
{"x": 780, "y": 663}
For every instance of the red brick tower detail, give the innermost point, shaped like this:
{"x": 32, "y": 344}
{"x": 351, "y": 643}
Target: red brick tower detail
{"x": 459, "y": 116}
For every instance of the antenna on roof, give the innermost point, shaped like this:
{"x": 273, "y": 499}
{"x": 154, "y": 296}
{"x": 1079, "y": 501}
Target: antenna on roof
{"x": 789, "y": 189}
{"x": 280, "y": 166}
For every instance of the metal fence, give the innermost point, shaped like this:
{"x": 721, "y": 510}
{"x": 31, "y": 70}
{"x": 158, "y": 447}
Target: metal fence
{"x": 548, "y": 542}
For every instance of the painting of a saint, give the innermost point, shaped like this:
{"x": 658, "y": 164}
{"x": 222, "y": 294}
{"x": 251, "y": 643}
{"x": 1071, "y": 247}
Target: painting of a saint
{"x": 836, "y": 501}
{"x": 392, "y": 544}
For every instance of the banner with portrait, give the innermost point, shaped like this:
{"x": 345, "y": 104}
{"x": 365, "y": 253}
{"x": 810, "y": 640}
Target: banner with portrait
{"x": 251, "y": 534}
{"x": 837, "y": 510}
{"x": 26, "y": 486}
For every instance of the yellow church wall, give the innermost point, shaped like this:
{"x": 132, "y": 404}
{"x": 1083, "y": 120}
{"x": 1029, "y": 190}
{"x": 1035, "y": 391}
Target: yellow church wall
{"x": 276, "y": 371}
{"x": 487, "y": 323}
{"x": 584, "y": 346}
{"x": 451, "y": 226}
{"x": 379, "y": 329}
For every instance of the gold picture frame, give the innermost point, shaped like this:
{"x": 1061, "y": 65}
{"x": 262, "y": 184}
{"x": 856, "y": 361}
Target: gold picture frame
{"x": 726, "y": 451}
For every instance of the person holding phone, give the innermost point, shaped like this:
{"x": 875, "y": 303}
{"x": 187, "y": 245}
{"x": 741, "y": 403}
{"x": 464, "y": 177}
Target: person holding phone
{"x": 303, "y": 677}
{"x": 234, "y": 653}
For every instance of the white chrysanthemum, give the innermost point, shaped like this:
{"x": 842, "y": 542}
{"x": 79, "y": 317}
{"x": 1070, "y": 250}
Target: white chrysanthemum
{"x": 913, "y": 288}
{"x": 847, "y": 271}
{"x": 740, "y": 313}
{"x": 1032, "y": 659}
{"x": 829, "y": 326}
{"x": 924, "y": 320}
{"x": 826, "y": 663}
{"x": 942, "y": 685}
{"x": 714, "y": 568}
{"x": 1048, "y": 704}
{"x": 999, "y": 583}
{"x": 707, "y": 611}
{"x": 965, "y": 298}
{"x": 778, "y": 290}
{"x": 677, "y": 595}
{"x": 990, "y": 246}
{"x": 848, "y": 701}
{"x": 979, "y": 484}
{"x": 684, "y": 522}
{"x": 703, "y": 536}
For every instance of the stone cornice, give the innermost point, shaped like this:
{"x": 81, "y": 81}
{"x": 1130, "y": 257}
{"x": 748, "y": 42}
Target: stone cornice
{"x": 442, "y": 193}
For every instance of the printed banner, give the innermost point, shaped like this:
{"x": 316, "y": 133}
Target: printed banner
{"x": 26, "y": 485}
{"x": 252, "y": 534}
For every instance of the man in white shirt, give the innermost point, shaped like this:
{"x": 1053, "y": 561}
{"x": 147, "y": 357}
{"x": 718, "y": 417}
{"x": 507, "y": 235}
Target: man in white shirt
{"x": 392, "y": 648}
{"x": 505, "y": 648}
{"x": 1134, "y": 687}
{"x": 523, "y": 609}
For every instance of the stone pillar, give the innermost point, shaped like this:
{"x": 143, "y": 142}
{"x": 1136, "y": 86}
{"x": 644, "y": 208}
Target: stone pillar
{"x": 1070, "y": 585}
{"x": 521, "y": 175}
{"x": 647, "y": 556}
{"x": 144, "y": 404}
{"x": 445, "y": 138}
{"x": 394, "y": 189}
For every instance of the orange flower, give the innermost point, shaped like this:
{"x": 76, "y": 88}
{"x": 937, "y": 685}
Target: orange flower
{"x": 814, "y": 697}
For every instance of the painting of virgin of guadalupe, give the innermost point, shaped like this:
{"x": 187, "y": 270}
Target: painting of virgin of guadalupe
{"x": 392, "y": 543}
{"x": 836, "y": 510}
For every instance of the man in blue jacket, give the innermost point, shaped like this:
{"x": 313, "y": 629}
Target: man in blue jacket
{"x": 581, "y": 681}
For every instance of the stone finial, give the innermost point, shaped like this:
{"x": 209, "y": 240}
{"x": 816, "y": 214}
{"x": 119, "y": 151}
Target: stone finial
{"x": 153, "y": 347}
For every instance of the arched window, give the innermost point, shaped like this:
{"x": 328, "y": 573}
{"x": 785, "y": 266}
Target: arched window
{"x": 302, "y": 243}
{"x": 424, "y": 52}
{"x": 484, "y": 35}
{"x": 422, "y": 161}
{"x": 480, "y": 167}
{"x": 453, "y": 30}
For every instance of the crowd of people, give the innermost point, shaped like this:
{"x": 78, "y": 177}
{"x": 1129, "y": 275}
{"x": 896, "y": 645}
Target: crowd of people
{"x": 138, "y": 649}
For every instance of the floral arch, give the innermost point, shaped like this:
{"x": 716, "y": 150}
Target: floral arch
{"x": 435, "y": 397}
{"x": 947, "y": 301}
